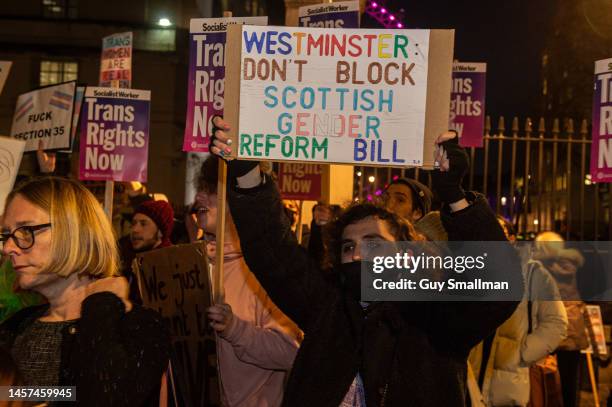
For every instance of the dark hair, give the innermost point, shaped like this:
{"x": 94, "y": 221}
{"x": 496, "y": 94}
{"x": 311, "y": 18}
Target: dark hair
{"x": 9, "y": 375}
{"x": 400, "y": 228}
{"x": 207, "y": 178}
{"x": 422, "y": 196}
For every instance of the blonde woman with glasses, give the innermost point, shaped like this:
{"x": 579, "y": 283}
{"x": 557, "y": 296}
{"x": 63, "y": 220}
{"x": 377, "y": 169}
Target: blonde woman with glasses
{"x": 89, "y": 335}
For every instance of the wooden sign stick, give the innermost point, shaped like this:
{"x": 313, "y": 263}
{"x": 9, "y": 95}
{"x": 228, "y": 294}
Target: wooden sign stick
{"x": 218, "y": 288}
{"x": 592, "y": 378}
{"x": 298, "y": 229}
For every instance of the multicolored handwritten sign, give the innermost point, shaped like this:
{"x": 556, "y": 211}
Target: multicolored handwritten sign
{"x": 116, "y": 61}
{"x": 205, "y": 92}
{"x": 467, "y": 111}
{"x": 341, "y": 14}
{"x": 601, "y": 148}
{"x": 338, "y": 95}
{"x": 114, "y": 135}
{"x": 45, "y": 116}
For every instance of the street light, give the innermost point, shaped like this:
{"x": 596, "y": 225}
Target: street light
{"x": 371, "y": 178}
{"x": 164, "y": 22}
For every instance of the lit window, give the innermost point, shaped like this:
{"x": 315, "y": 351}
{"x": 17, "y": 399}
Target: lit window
{"x": 52, "y": 72}
{"x": 59, "y": 8}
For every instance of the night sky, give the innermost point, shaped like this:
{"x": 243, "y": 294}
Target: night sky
{"x": 508, "y": 35}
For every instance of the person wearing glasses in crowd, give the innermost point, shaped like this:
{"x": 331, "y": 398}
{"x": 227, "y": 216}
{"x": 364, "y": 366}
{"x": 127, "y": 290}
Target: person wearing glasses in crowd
{"x": 89, "y": 335}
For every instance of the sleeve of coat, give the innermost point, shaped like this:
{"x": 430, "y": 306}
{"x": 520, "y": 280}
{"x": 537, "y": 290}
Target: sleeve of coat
{"x": 461, "y": 325}
{"x": 115, "y": 362}
{"x": 549, "y": 317}
{"x": 272, "y": 343}
{"x": 285, "y": 270}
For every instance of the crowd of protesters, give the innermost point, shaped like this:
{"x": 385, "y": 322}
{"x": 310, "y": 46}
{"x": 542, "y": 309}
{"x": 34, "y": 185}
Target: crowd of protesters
{"x": 293, "y": 329}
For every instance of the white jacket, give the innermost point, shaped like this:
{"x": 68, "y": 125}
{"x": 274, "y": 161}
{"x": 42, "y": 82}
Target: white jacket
{"x": 506, "y": 380}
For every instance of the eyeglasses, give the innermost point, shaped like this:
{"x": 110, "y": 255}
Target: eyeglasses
{"x": 23, "y": 236}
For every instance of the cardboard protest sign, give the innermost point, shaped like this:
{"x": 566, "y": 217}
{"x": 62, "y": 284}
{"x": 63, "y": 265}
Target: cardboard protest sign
{"x": 5, "y": 68}
{"x": 342, "y": 14}
{"x": 45, "y": 115}
{"x": 11, "y": 151}
{"x": 116, "y": 61}
{"x": 174, "y": 281}
{"x": 114, "y": 140}
{"x": 601, "y": 147}
{"x": 206, "y": 85}
{"x": 365, "y": 97}
{"x": 467, "y": 110}
{"x": 76, "y": 114}
{"x": 595, "y": 330}
{"x": 300, "y": 181}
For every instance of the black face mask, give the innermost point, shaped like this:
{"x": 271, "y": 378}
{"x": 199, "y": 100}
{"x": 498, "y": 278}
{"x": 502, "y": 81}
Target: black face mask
{"x": 350, "y": 278}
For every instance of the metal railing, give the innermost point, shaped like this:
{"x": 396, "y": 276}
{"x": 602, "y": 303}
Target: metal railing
{"x": 537, "y": 178}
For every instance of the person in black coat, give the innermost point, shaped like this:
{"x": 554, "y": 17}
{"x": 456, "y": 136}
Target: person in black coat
{"x": 367, "y": 354}
{"x": 89, "y": 335}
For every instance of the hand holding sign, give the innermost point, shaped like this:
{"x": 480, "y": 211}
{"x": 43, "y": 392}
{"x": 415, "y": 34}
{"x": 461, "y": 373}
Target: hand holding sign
{"x": 220, "y": 145}
{"x": 221, "y": 317}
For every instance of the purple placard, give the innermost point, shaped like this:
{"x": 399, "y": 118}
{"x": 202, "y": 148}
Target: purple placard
{"x": 114, "y": 135}
{"x": 206, "y": 83}
{"x": 343, "y": 14}
{"x": 467, "y": 111}
{"x": 601, "y": 148}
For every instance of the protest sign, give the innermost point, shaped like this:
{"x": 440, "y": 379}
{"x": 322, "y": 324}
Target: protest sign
{"x": 467, "y": 110}
{"x": 175, "y": 282}
{"x": 595, "y": 330}
{"x": 365, "y": 97}
{"x": 114, "y": 140}
{"x": 116, "y": 61}
{"x": 300, "y": 181}
{"x": 45, "y": 115}
{"x": 206, "y": 83}
{"x": 11, "y": 151}
{"x": 76, "y": 114}
{"x": 601, "y": 147}
{"x": 342, "y": 14}
{"x": 5, "y": 68}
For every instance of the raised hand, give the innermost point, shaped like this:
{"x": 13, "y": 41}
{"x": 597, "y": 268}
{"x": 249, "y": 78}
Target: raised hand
{"x": 453, "y": 166}
{"x": 220, "y": 144}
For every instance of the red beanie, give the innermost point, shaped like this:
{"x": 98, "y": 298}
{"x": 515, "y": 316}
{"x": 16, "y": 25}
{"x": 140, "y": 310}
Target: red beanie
{"x": 162, "y": 214}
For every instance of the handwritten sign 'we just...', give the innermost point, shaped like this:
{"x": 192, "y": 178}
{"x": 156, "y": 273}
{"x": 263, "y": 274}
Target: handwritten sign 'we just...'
{"x": 373, "y": 97}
